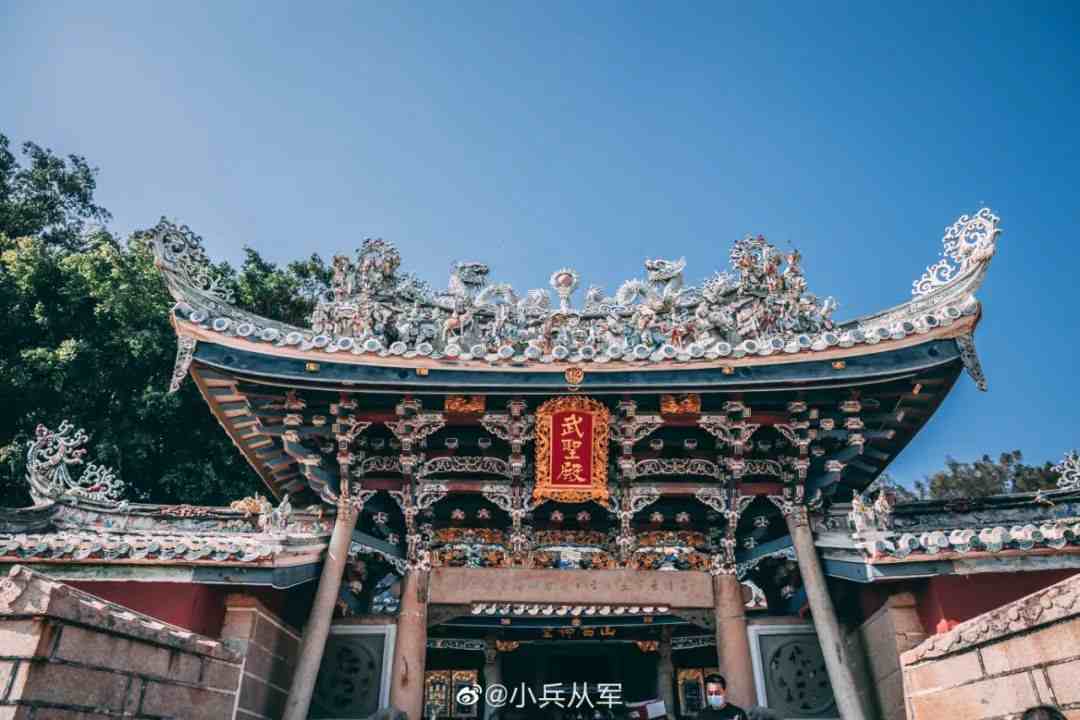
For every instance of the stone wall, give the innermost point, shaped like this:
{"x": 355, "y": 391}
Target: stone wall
{"x": 66, "y": 654}
{"x": 269, "y": 647}
{"x": 856, "y": 656}
{"x": 997, "y": 665}
{"x": 893, "y": 629}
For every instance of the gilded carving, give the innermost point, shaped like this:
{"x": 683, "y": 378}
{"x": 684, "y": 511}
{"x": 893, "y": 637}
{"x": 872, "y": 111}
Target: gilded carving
{"x": 688, "y": 404}
{"x": 465, "y": 404}
{"x": 573, "y": 481}
{"x": 253, "y": 505}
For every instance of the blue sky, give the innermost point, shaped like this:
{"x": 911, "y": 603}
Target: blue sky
{"x": 594, "y": 135}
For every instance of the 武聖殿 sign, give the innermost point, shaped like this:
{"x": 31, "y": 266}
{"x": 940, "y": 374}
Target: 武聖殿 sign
{"x": 571, "y": 450}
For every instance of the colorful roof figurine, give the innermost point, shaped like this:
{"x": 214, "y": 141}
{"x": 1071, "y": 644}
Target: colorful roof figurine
{"x": 760, "y": 307}
{"x": 440, "y": 366}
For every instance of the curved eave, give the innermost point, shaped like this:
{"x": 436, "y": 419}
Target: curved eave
{"x": 835, "y": 367}
{"x": 943, "y": 305}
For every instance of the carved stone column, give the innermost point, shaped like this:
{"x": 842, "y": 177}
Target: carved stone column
{"x": 839, "y": 666}
{"x": 322, "y": 612}
{"x": 492, "y": 673}
{"x": 732, "y": 640}
{"x": 665, "y": 674}
{"x": 410, "y": 647}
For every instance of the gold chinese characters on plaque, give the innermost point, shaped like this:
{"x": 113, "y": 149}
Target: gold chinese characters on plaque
{"x": 465, "y": 404}
{"x": 571, "y": 450}
{"x": 688, "y": 404}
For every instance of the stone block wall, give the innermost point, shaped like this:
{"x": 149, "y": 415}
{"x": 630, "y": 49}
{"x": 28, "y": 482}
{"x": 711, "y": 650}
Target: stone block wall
{"x": 893, "y": 629}
{"x": 67, "y": 655}
{"x": 861, "y": 670}
{"x": 269, "y": 647}
{"x": 1000, "y": 663}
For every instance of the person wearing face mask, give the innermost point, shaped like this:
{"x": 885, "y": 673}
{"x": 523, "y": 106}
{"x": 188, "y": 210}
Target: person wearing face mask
{"x": 716, "y": 705}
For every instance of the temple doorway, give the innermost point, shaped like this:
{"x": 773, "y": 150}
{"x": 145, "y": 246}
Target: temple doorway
{"x": 583, "y": 663}
{"x": 582, "y": 666}
{"x": 609, "y": 634}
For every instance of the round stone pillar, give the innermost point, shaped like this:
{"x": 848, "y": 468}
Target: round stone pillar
{"x": 732, "y": 640}
{"x": 823, "y": 612}
{"x": 410, "y": 646}
{"x": 322, "y": 612}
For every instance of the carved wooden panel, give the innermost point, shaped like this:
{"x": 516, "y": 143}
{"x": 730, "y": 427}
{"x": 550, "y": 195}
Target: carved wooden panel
{"x": 349, "y": 678}
{"x": 796, "y": 682}
{"x": 691, "y": 691}
{"x": 437, "y": 694}
{"x": 464, "y": 586}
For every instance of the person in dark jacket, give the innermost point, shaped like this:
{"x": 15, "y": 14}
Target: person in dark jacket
{"x": 716, "y": 705}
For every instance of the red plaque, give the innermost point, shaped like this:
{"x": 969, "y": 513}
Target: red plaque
{"x": 571, "y": 450}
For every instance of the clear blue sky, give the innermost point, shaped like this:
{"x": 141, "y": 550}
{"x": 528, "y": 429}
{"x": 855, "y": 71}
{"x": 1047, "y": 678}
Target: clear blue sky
{"x": 536, "y": 135}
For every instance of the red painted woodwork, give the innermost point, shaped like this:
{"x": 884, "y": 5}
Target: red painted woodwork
{"x": 571, "y": 460}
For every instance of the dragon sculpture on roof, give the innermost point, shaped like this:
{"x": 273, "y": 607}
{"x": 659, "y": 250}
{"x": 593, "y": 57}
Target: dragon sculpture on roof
{"x": 657, "y": 316}
{"x": 760, "y": 305}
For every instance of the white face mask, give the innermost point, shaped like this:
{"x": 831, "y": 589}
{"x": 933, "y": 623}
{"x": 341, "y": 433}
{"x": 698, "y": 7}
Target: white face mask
{"x": 717, "y": 701}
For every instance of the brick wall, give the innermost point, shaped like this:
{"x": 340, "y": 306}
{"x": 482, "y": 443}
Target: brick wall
{"x": 997, "y": 665}
{"x": 269, "y": 647}
{"x": 66, "y": 654}
{"x": 892, "y": 629}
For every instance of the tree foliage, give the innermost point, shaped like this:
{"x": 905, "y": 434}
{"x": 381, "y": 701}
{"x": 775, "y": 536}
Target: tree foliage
{"x": 986, "y": 476}
{"x": 85, "y": 336}
{"x": 51, "y": 198}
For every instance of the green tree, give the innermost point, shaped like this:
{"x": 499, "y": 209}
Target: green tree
{"x": 51, "y": 197}
{"x": 85, "y": 336}
{"x": 986, "y": 476}
{"x": 289, "y": 295}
